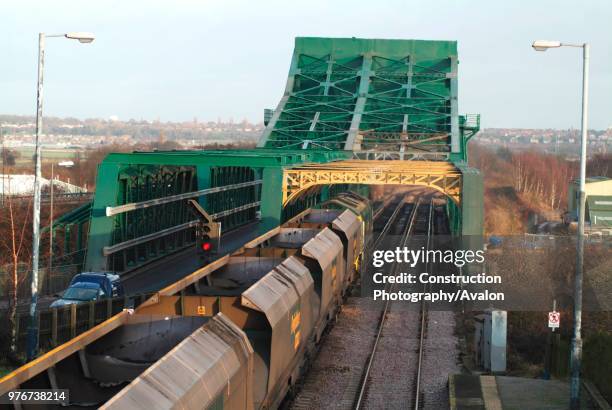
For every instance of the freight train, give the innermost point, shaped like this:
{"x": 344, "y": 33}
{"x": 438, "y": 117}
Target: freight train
{"x": 235, "y": 334}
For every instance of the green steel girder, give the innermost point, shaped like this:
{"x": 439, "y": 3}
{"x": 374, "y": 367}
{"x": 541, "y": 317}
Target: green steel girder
{"x": 253, "y": 158}
{"x": 79, "y": 215}
{"x": 367, "y": 94}
{"x": 134, "y": 177}
{"x": 469, "y": 125}
{"x": 468, "y": 220}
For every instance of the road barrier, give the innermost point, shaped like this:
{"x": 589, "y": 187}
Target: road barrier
{"x": 58, "y": 325}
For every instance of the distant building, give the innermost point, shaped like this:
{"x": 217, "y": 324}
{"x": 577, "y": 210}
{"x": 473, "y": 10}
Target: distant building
{"x": 598, "y": 192}
{"x": 17, "y": 185}
{"x": 599, "y": 210}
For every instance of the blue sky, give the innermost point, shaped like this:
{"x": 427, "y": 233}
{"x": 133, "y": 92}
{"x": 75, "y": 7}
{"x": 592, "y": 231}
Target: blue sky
{"x": 176, "y": 60}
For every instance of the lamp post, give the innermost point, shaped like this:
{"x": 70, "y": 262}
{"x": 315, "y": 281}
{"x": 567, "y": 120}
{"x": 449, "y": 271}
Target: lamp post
{"x": 32, "y": 340}
{"x": 3, "y": 164}
{"x": 543, "y": 45}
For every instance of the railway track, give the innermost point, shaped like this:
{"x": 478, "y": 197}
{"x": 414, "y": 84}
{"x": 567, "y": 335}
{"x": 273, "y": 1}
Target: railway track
{"x": 377, "y": 356}
{"x": 424, "y": 314}
{"x": 329, "y": 364}
{"x": 396, "y": 354}
{"x": 414, "y": 350}
{"x": 438, "y": 345}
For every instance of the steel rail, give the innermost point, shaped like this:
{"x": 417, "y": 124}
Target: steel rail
{"x": 387, "y": 226}
{"x": 423, "y": 315}
{"x": 115, "y": 210}
{"x": 372, "y": 243}
{"x": 383, "y": 316}
{"x": 378, "y": 212}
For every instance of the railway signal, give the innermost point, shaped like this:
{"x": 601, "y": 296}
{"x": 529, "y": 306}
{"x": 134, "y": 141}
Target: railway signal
{"x": 208, "y": 232}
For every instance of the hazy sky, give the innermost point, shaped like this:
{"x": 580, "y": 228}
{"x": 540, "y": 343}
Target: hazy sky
{"x": 176, "y": 60}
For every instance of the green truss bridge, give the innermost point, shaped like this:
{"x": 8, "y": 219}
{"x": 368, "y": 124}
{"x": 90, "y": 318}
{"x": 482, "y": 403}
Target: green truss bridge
{"x": 354, "y": 113}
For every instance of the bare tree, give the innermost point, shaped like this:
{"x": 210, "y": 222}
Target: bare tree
{"x": 15, "y": 220}
{"x": 601, "y": 164}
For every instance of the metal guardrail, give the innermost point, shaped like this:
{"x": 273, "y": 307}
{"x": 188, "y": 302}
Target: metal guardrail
{"x": 221, "y": 214}
{"x": 58, "y": 280}
{"x": 109, "y": 250}
{"x": 182, "y": 224}
{"x": 470, "y": 121}
{"x": 115, "y": 210}
{"x": 59, "y": 325}
{"x": 61, "y": 197}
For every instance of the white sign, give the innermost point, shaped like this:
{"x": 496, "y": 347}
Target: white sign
{"x": 553, "y": 319}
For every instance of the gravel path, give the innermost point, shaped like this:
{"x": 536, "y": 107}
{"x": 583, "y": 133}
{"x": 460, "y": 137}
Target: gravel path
{"x": 440, "y": 358}
{"x": 391, "y": 382}
{"x": 333, "y": 379}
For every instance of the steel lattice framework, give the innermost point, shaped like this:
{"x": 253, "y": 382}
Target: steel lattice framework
{"x": 317, "y": 113}
{"x": 441, "y": 176}
{"x": 381, "y": 99}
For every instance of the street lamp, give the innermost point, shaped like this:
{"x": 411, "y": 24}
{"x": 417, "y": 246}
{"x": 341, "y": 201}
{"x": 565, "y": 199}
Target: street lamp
{"x": 32, "y": 344}
{"x": 81, "y": 36}
{"x": 543, "y": 45}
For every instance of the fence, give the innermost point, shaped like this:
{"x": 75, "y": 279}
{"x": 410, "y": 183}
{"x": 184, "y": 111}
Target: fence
{"x": 59, "y": 325}
{"x": 68, "y": 197}
{"x": 559, "y": 355}
{"x": 56, "y": 282}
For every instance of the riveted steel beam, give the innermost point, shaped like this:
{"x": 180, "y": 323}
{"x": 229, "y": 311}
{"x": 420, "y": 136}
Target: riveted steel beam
{"x": 439, "y": 175}
{"x": 364, "y": 85}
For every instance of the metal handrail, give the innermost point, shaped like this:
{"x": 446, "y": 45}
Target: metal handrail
{"x": 108, "y": 250}
{"x": 470, "y": 120}
{"x": 115, "y": 210}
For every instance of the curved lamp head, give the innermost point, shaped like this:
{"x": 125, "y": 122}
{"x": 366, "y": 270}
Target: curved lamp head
{"x": 543, "y": 45}
{"x": 81, "y": 36}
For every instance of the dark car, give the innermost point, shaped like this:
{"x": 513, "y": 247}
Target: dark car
{"x": 89, "y": 286}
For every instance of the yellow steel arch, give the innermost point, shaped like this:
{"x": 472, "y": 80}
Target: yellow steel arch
{"x": 439, "y": 175}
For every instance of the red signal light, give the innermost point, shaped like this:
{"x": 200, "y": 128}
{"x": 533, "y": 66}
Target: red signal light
{"x": 206, "y": 246}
